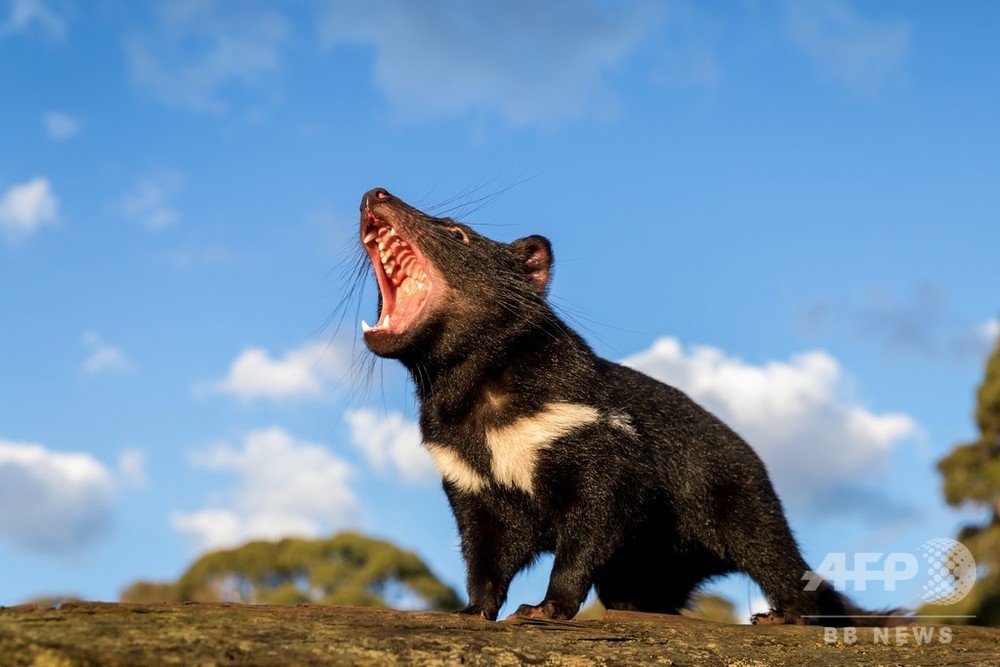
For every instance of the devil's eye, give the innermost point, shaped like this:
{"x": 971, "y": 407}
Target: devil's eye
{"x": 459, "y": 233}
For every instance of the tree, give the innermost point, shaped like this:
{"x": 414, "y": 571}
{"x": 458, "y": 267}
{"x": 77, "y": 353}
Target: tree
{"x": 971, "y": 474}
{"x": 347, "y": 569}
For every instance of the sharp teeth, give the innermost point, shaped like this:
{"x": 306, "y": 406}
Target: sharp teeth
{"x": 392, "y": 231}
{"x": 385, "y": 323}
{"x": 369, "y": 237}
{"x": 365, "y": 326}
{"x": 381, "y": 247}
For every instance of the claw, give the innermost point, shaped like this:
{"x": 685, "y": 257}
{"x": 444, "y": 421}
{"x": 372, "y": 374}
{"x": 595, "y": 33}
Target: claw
{"x": 476, "y": 612}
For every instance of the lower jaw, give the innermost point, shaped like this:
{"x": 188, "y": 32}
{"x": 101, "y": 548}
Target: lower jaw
{"x": 388, "y": 344}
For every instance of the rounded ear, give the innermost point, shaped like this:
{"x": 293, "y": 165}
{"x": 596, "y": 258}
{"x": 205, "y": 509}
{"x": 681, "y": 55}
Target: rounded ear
{"x": 535, "y": 256}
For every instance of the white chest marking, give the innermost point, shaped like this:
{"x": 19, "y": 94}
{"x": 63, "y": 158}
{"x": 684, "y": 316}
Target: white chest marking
{"x": 455, "y": 470}
{"x": 515, "y": 447}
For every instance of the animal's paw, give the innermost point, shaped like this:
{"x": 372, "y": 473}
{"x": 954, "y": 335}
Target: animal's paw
{"x": 549, "y": 610}
{"x": 772, "y": 617}
{"x": 475, "y": 611}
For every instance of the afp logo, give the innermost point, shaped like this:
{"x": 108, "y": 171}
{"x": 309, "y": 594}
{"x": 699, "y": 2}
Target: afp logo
{"x": 947, "y": 568}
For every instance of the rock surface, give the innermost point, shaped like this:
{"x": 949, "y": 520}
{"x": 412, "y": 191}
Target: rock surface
{"x": 219, "y": 634}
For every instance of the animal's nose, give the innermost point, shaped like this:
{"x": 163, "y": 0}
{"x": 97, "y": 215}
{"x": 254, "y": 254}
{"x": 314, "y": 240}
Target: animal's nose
{"x": 373, "y": 196}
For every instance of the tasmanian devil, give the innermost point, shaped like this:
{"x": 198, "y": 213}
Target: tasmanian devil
{"x": 545, "y": 447}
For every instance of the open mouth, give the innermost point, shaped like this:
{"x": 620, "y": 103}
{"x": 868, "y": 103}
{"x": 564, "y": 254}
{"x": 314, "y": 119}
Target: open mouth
{"x": 401, "y": 273}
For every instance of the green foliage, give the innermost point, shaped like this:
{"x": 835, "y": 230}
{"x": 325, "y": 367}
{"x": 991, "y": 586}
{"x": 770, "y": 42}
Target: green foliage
{"x": 988, "y": 408}
{"x": 347, "y": 569}
{"x": 971, "y": 475}
{"x": 972, "y": 471}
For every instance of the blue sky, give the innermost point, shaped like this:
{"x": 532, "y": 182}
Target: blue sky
{"x": 789, "y": 210}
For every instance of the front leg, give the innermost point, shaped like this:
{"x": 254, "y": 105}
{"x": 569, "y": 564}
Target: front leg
{"x": 571, "y": 577}
{"x": 497, "y": 543}
{"x": 584, "y": 544}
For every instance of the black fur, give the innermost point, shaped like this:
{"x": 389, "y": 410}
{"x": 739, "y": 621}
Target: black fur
{"x": 644, "y": 511}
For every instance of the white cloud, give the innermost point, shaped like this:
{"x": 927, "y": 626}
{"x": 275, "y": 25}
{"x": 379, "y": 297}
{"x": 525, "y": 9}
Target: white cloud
{"x": 149, "y": 205}
{"x": 28, "y": 14}
{"x": 52, "y": 502}
{"x": 989, "y": 331}
{"x": 391, "y": 441}
{"x": 860, "y": 52}
{"x": 103, "y": 358}
{"x": 132, "y": 467}
{"x": 25, "y": 207}
{"x": 302, "y": 373}
{"x": 59, "y": 125}
{"x": 198, "y": 51}
{"x": 284, "y": 487}
{"x": 528, "y": 61}
{"x": 794, "y": 413}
